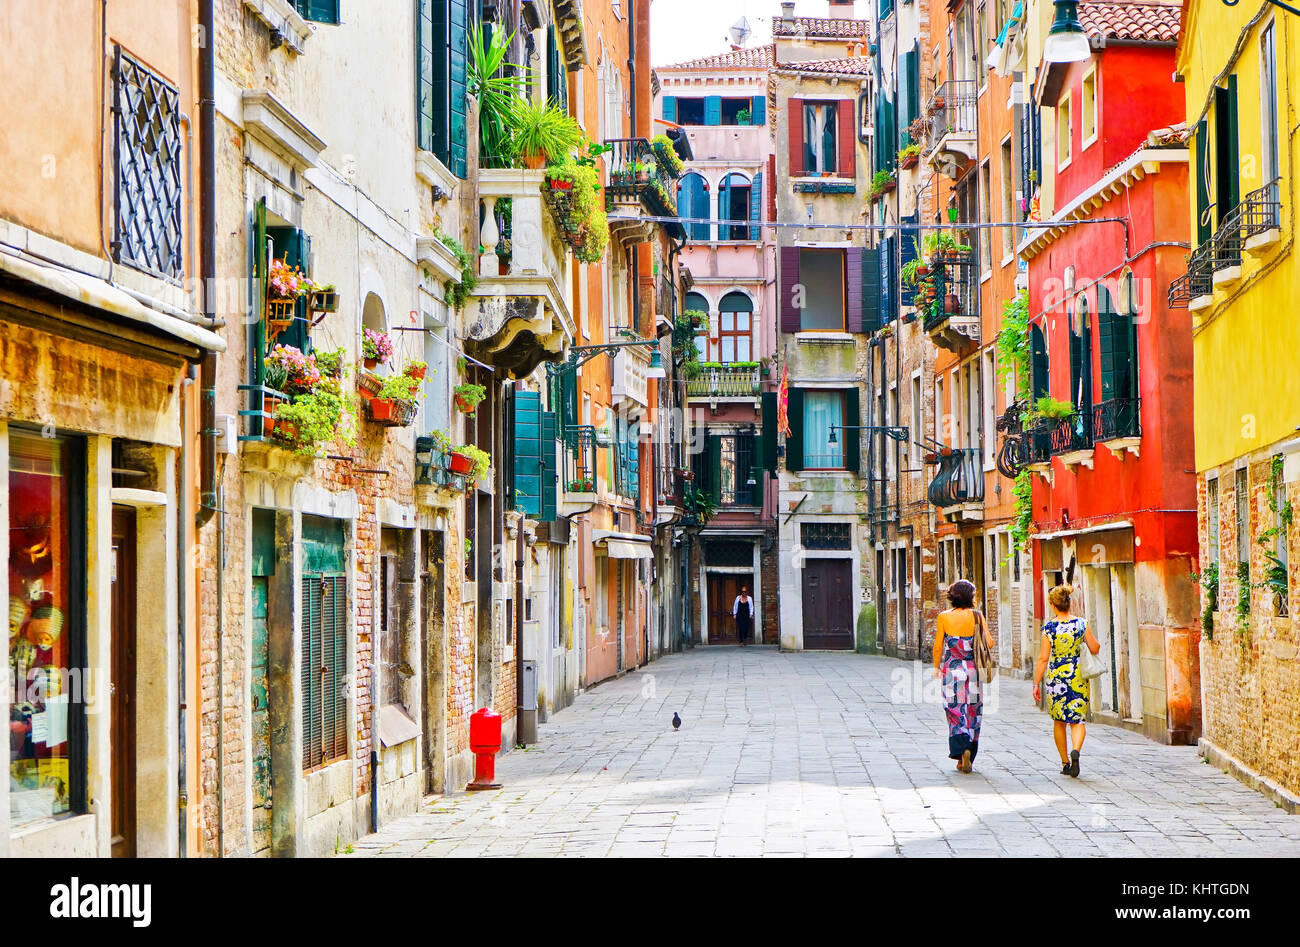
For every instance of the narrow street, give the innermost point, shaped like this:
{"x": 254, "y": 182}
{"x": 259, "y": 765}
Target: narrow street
{"x": 791, "y": 754}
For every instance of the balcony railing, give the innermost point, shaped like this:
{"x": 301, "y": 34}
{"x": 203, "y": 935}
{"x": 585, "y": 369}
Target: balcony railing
{"x": 725, "y": 382}
{"x": 960, "y": 478}
{"x": 636, "y": 173}
{"x": 952, "y": 111}
{"x": 1117, "y": 418}
{"x": 1197, "y": 281}
{"x": 1067, "y": 434}
{"x": 1259, "y": 212}
{"x": 580, "y": 460}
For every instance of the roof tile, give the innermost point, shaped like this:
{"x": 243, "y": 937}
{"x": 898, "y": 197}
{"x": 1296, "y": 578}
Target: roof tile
{"x": 1151, "y": 22}
{"x": 759, "y": 57}
{"x": 820, "y": 27}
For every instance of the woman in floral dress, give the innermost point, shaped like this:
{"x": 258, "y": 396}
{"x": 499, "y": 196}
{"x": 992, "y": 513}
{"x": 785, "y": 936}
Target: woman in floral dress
{"x": 954, "y": 664}
{"x": 1067, "y": 688}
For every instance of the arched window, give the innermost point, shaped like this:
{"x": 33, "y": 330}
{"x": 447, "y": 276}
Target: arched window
{"x": 1081, "y": 357}
{"x": 735, "y": 329}
{"x": 733, "y": 204}
{"x": 693, "y": 201}
{"x": 697, "y": 303}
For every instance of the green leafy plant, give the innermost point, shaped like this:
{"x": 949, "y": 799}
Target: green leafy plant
{"x": 743, "y": 117}
{"x": 320, "y": 417}
{"x": 699, "y": 504}
{"x": 1276, "y": 573}
{"x": 542, "y": 131}
{"x": 1013, "y": 341}
{"x": 939, "y": 244}
{"x": 332, "y": 363}
{"x": 1208, "y": 579}
{"x": 469, "y": 395}
{"x": 579, "y": 209}
{"x": 589, "y": 152}
{"x": 481, "y": 458}
{"x": 667, "y": 155}
{"x": 398, "y": 388}
{"x": 909, "y": 151}
{"x": 496, "y": 85}
{"x": 275, "y": 374}
{"x": 455, "y": 292}
{"x": 1243, "y": 599}
{"x": 1049, "y": 407}
{"x": 880, "y": 182}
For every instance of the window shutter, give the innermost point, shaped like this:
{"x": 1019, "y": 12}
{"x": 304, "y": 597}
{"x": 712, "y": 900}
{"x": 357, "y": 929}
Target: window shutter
{"x": 794, "y": 128}
{"x": 724, "y": 208}
{"x": 320, "y": 11}
{"x": 335, "y": 746}
{"x": 790, "y": 313}
{"x": 771, "y": 192}
{"x": 424, "y": 71}
{"x": 447, "y": 31}
{"x": 713, "y": 110}
{"x": 854, "y": 287}
{"x": 1106, "y": 319}
{"x": 888, "y": 302}
{"x": 794, "y": 440}
{"x": 568, "y": 405}
{"x": 758, "y": 111}
{"x": 910, "y": 236}
{"x": 851, "y": 438}
{"x": 259, "y": 271}
{"x": 549, "y": 467}
{"x": 869, "y": 319}
{"x": 1204, "y": 228}
{"x": 670, "y": 108}
{"x": 755, "y": 471}
{"x": 846, "y": 165}
{"x": 1227, "y": 167}
{"x": 913, "y": 78}
{"x": 886, "y": 8}
{"x": 312, "y": 679}
{"x": 769, "y": 430}
{"x": 524, "y": 489}
{"x": 1038, "y": 363}
{"x": 756, "y": 206}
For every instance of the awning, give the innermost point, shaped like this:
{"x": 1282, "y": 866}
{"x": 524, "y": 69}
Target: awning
{"x": 100, "y": 294}
{"x": 623, "y": 545}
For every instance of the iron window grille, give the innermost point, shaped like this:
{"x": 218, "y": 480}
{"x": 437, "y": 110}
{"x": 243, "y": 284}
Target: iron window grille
{"x": 147, "y": 146}
{"x": 826, "y": 536}
{"x": 728, "y": 554}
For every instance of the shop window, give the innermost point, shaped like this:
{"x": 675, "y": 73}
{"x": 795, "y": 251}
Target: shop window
{"x": 47, "y": 647}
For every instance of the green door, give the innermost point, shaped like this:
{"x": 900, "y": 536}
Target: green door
{"x": 263, "y": 566}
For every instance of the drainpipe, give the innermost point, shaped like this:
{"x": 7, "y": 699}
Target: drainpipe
{"x": 374, "y": 780}
{"x": 207, "y": 211}
{"x": 182, "y": 608}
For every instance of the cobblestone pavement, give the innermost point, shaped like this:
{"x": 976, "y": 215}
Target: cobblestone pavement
{"x": 829, "y": 754}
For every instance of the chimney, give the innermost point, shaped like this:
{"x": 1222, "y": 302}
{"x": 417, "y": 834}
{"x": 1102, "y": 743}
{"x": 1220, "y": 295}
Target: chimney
{"x": 787, "y": 10}
{"x": 841, "y": 9}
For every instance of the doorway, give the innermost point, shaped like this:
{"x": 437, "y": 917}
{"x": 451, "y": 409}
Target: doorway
{"x": 123, "y": 702}
{"x": 828, "y": 604}
{"x": 723, "y": 589}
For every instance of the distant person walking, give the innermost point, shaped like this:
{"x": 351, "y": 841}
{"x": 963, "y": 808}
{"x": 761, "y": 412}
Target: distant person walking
{"x": 954, "y": 664}
{"x": 1067, "y": 688}
{"x": 742, "y": 609}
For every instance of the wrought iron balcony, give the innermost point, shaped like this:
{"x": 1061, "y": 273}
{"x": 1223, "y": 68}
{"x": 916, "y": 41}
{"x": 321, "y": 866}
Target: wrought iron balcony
{"x": 1117, "y": 419}
{"x": 1069, "y": 434}
{"x": 953, "y": 321}
{"x": 960, "y": 478}
{"x": 725, "y": 381}
{"x": 1197, "y": 281}
{"x": 1261, "y": 211}
{"x": 580, "y": 460}
{"x": 952, "y": 111}
{"x": 636, "y": 172}
{"x": 1256, "y": 215}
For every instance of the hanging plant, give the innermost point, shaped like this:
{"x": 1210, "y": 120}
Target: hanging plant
{"x": 376, "y": 347}
{"x": 455, "y": 292}
{"x": 469, "y": 396}
{"x": 470, "y": 462}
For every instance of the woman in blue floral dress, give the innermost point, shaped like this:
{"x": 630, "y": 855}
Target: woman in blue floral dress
{"x": 954, "y": 664}
{"x": 1067, "y": 688}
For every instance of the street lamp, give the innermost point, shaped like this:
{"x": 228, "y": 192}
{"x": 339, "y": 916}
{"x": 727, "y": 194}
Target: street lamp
{"x": 1066, "y": 41}
{"x": 897, "y": 432}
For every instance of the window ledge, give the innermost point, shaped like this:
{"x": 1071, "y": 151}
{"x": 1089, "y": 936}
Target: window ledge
{"x": 281, "y": 17}
{"x": 811, "y": 335}
{"x": 433, "y": 172}
{"x": 831, "y": 185}
{"x": 269, "y": 120}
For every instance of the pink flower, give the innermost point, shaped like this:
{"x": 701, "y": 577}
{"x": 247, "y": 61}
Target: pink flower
{"x": 376, "y": 345}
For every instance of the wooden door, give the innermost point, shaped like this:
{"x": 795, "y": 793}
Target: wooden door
{"x": 122, "y": 727}
{"x": 828, "y": 604}
{"x": 723, "y": 589}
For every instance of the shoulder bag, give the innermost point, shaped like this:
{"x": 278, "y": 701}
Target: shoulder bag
{"x": 984, "y": 663}
{"x": 1090, "y": 665}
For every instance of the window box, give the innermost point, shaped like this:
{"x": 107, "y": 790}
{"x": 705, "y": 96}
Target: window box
{"x": 279, "y": 316}
{"x": 324, "y": 301}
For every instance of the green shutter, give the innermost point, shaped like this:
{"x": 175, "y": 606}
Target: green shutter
{"x": 850, "y": 437}
{"x": 713, "y": 464}
{"x": 769, "y": 430}
{"x": 913, "y": 78}
{"x": 713, "y": 110}
{"x": 259, "y": 270}
{"x": 872, "y": 305}
{"x": 794, "y": 440}
{"x": 886, "y": 8}
{"x": 756, "y": 206}
{"x": 1038, "y": 377}
{"x": 310, "y": 671}
{"x": 758, "y": 112}
{"x": 424, "y": 60}
{"x": 524, "y": 488}
{"x": 549, "y": 473}
{"x": 447, "y": 26}
{"x": 320, "y": 11}
{"x": 1202, "y": 173}
{"x": 263, "y": 559}
{"x": 670, "y": 108}
{"x": 755, "y": 470}
{"x": 567, "y": 405}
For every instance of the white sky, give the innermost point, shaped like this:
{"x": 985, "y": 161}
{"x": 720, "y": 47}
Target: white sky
{"x": 687, "y": 29}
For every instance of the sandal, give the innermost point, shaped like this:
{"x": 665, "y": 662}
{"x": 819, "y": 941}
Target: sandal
{"x": 965, "y": 764}
{"x": 1065, "y": 768}
{"x": 1074, "y": 763}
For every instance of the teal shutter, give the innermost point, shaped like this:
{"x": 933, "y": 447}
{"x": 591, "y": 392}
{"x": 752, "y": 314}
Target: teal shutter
{"x": 850, "y": 437}
{"x": 724, "y": 208}
{"x": 424, "y": 71}
{"x": 569, "y": 405}
{"x": 913, "y": 79}
{"x": 670, "y": 108}
{"x": 447, "y": 26}
{"x": 886, "y": 8}
{"x": 1106, "y": 319}
{"x": 320, "y": 11}
{"x": 1116, "y": 348}
{"x": 758, "y": 111}
{"x": 293, "y": 247}
{"x": 1204, "y": 227}
{"x": 871, "y": 305}
{"x": 910, "y": 237}
{"x": 549, "y": 471}
{"x": 756, "y": 206}
{"x": 524, "y": 490}
{"x": 713, "y": 110}
{"x": 794, "y": 441}
{"x": 769, "y": 431}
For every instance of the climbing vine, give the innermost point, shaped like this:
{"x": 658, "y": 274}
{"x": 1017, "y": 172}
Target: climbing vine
{"x": 1209, "y": 581}
{"x": 457, "y": 291}
{"x": 1276, "y": 574}
{"x": 1013, "y": 354}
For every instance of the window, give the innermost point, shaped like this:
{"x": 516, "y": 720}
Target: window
{"x": 737, "y": 479}
{"x": 821, "y": 411}
{"x": 1088, "y": 109}
{"x": 735, "y": 330}
{"x": 1242, "y": 526}
{"x": 324, "y": 669}
{"x": 733, "y": 204}
{"x": 826, "y": 536}
{"x": 690, "y": 111}
{"x": 985, "y": 214}
{"x": 147, "y": 235}
{"x": 1227, "y": 167}
{"x": 819, "y": 138}
{"x": 737, "y": 111}
{"x": 1008, "y": 202}
{"x": 1268, "y": 101}
{"x": 47, "y": 646}
{"x": 390, "y": 653}
{"x": 693, "y": 204}
{"x": 441, "y": 41}
{"x": 1081, "y": 357}
{"x": 321, "y": 11}
{"x": 1063, "y": 130}
{"x": 990, "y": 410}
{"x": 892, "y": 418}
{"x": 916, "y": 422}
{"x": 1212, "y": 519}
{"x": 821, "y": 273}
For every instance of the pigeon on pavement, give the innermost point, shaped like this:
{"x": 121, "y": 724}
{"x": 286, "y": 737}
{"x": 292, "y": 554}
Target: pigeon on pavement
{"x": 677, "y": 721}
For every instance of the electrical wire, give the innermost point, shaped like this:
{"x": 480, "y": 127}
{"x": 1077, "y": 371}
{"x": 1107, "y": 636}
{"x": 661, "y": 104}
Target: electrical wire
{"x": 872, "y": 228}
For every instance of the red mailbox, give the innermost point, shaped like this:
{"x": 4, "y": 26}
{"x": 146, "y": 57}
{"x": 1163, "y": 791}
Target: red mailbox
{"x": 485, "y": 743}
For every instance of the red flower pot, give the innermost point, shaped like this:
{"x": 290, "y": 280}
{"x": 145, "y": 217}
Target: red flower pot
{"x": 889, "y": 185}
{"x": 562, "y": 185}
{"x": 951, "y": 304}
{"x": 416, "y": 373}
{"x": 910, "y": 162}
{"x": 463, "y": 405}
{"x": 269, "y": 405}
{"x": 461, "y": 464}
{"x": 381, "y": 409}
{"x": 371, "y": 363}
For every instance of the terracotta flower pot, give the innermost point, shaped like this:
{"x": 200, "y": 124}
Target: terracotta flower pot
{"x": 562, "y": 185}
{"x": 417, "y": 373}
{"x": 286, "y": 430}
{"x": 909, "y": 162}
{"x": 951, "y": 304}
{"x": 269, "y": 405}
{"x": 461, "y": 464}
{"x": 371, "y": 363}
{"x": 464, "y": 405}
{"x": 381, "y": 409}
{"x": 889, "y": 185}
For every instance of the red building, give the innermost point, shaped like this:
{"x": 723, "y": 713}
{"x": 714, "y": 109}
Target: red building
{"x": 1114, "y": 500}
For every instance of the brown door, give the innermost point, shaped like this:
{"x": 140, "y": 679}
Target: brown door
{"x": 827, "y": 604}
{"x": 723, "y": 589}
{"x": 122, "y": 705}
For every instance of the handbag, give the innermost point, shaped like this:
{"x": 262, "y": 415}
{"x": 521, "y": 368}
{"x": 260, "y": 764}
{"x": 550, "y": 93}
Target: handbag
{"x": 1090, "y": 665}
{"x": 984, "y": 663}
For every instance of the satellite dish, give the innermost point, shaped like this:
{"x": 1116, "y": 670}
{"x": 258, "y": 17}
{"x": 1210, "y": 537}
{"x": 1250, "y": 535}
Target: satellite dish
{"x": 740, "y": 32}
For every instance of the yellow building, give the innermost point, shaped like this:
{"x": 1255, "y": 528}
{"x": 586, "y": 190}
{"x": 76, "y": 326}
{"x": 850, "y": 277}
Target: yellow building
{"x": 1241, "y": 282}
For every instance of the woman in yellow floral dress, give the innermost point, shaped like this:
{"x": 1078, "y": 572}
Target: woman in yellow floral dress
{"x": 1067, "y": 688}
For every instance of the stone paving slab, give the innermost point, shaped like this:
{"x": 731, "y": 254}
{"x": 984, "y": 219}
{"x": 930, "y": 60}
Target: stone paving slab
{"x": 820, "y": 754}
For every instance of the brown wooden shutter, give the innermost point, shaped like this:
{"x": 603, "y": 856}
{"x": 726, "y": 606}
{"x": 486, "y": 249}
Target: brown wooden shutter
{"x": 794, "y": 127}
{"x": 853, "y": 287}
{"x": 846, "y": 139}
{"x": 790, "y": 313}
{"x": 771, "y": 191}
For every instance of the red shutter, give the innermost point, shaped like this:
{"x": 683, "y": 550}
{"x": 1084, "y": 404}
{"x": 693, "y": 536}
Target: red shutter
{"x": 771, "y": 190}
{"x": 847, "y": 139}
{"x": 794, "y": 127}
{"x": 790, "y": 313}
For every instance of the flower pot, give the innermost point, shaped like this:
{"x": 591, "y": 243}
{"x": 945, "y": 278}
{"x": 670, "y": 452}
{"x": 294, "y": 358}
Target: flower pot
{"x": 327, "y": 301}
{"x": 909, "y": 162}
{"x": 371, "y": 363}
{"x": 417, "y": 373}
{"x": 951, "y": 304}
{"x": 889, "y": 185}
{"x": 269, "y": 406}
{"x": 286, "y": 430}
{"x": 535, "y": 162}
{"x": 460, "y": 464}
{"x": 381, "y": 409}
{"x": 922, "y": 270}
{"x": 562, "y": 185}
{"x": 464, "y": 405}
